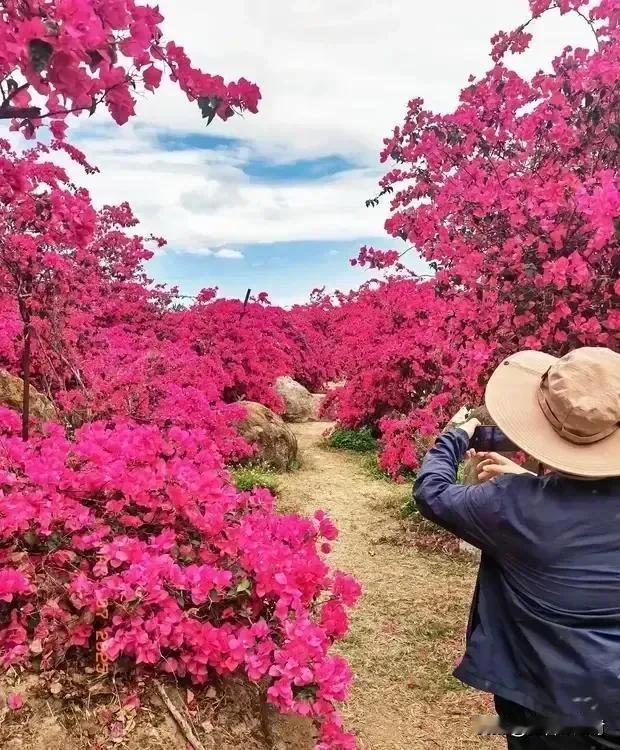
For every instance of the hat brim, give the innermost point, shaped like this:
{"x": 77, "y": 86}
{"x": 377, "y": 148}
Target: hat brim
{"x": 512, "y": 400}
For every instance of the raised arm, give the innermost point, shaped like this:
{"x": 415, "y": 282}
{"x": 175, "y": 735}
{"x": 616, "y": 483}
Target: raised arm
{"x": 472, "y": 512}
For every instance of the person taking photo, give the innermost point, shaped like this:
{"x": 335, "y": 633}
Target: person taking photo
{"x": 544, "y": 629}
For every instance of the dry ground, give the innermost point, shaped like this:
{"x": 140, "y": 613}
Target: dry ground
{"x": 77, "y": 711}
{"x": 408, "y": 629}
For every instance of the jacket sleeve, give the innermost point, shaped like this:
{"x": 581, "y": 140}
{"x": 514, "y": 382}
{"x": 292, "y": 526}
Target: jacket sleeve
{"x": 471, "y": 512}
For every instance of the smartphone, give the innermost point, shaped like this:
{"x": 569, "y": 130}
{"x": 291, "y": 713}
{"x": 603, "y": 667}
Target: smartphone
{"x": 487, "y": 438}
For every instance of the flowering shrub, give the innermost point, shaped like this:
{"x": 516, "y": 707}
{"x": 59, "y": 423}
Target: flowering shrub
{"x": 104, "y": 342}
{"x": 514, "y": 201}
{"x": 254, "y": 344}
{"x": 137, "y": 356}
{"x": 127, "y": 530}
{"x": 194, "y": 577}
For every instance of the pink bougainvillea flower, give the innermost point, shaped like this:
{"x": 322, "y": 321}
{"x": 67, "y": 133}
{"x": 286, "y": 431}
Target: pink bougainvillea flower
{"x": 14, "y": 701}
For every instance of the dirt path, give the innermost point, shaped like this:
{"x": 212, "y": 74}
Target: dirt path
{"x": 408, "y": 629}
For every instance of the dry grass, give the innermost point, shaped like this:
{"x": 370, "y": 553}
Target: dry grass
{"x": 408, "y": 629}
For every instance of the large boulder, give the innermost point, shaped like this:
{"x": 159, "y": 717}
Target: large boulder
{"x": 12, "y": 396}
{"x": 274, "y": 441}
{"x": 298, "y": 401}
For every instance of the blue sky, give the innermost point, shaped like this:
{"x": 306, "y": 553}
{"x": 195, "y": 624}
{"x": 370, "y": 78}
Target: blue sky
{"x": 296, "y": 170}
{"x": 279, "y": 268}
{"x": 275, "y": 201}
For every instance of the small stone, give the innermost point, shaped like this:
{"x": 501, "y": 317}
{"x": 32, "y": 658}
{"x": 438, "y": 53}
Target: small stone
{"x": 55, "y": 688}
{"x": 36, "y": 647}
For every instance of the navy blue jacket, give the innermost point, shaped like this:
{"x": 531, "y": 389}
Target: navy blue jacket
{"x": 544, "y": 629}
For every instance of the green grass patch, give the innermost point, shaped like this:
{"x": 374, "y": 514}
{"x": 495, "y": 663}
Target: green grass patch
{"x": 371, "y": 466}
{"x": 247, "y": 478}
{"x": 360, "y": 440}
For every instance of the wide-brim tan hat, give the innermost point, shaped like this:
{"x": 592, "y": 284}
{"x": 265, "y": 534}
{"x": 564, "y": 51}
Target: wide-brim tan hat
{"x": 564, "y": 412}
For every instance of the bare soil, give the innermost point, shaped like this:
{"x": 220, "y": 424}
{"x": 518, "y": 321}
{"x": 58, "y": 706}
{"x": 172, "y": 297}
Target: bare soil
{"x": 77, "y": 711}
{"x": 407, "y": 632}
{"x": 405, "y": 636}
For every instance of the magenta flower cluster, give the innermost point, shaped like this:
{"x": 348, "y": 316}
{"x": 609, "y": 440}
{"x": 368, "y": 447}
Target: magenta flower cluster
{"x": 195, "y": 578}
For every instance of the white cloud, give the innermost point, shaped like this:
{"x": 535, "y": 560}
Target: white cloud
{"x": 197, "y": 198}
{"x": 226, "y": 252}
{"x": 335, "y": 79}
{"x": 336, "y": 76}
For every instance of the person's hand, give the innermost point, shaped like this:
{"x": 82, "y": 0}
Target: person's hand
{"x": 460, "y": 416}
{"x": 491, "y": 465}
{"x": 476, "y": 457}
{"x": 470, "y": 427}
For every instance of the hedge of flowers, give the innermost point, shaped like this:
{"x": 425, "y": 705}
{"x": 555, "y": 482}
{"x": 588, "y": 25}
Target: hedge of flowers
{"x": 134, "y": 531}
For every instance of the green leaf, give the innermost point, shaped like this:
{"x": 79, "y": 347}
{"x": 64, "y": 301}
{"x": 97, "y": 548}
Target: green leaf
{"x": 209, "y": 106}
{"x": 53, "y": 541}
{"x": 30, "y": 539}
{"x": 243, "y": 586}
{"x": 614, "y": 129}
{"x": 454, "y": 136}
{"x": 595, "y": 115}
{"x": 39, "y": 53}
{"x": 305, "y": 692}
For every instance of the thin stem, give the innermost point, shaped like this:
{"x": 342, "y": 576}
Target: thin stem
{"x": 26, "y": 377}
{"x": 591, "y": 25}
{"x": 11, "y": 94}
{"x": 34, "y": 113}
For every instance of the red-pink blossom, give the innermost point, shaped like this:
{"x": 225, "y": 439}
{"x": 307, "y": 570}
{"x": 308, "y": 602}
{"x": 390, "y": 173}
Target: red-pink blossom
{"x": 14, "y": 701}
{"x": 82, "y": 54}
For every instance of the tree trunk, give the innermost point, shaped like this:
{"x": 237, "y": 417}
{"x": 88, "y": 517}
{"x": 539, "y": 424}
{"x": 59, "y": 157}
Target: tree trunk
{"x": 26, "y": 378}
